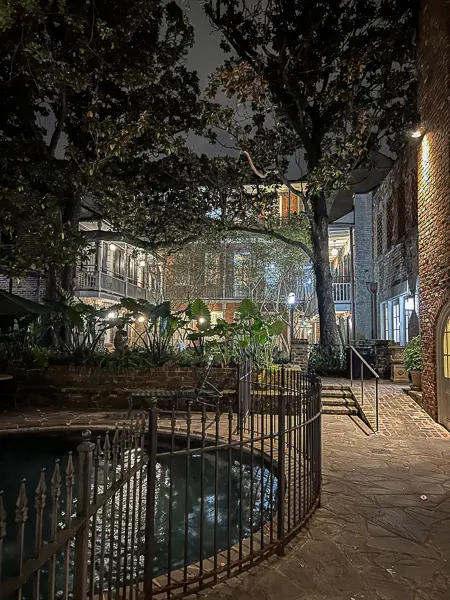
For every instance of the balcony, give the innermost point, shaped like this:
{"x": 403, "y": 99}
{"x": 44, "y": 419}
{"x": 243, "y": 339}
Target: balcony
{"x": 90, "y": 282}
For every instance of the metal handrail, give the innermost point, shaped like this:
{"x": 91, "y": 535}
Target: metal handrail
{"x": 374, "y": 373}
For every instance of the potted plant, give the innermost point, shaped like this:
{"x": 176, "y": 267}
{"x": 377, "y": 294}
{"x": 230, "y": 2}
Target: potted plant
{"x": 413, "y": 362}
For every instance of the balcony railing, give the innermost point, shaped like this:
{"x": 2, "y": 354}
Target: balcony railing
{"x": 90, "y": 280}
{"x": 342, "y": 291}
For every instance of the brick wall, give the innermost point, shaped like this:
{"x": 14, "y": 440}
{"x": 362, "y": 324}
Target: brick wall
{"x": 434, "y": 182}
{"x": 74, "y": 386}
{"x": 363, "y": 266}
{"x": 395, "y": 246}
{"x": 31, "y": 287}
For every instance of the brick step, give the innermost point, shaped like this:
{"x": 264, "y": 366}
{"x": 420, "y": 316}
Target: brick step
{"x": 336, "y": 386}
{"x": 339, "y": 410}
{"x": 338, "y": 402}
{"x": 336, "y": 394}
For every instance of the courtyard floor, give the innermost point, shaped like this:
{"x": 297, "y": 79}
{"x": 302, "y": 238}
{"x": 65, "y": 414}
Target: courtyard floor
{"x": 382, "y": 532}
{"x": 383, "y": 529}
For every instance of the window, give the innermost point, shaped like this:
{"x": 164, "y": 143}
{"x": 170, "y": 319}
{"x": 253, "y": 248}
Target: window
{"x": 241, "y": 267}
{"x": 272, "y": 274}
{"x": 379, "y": 234}
{"x": 212, "y": 268}
{"x": 385, "y": 313}
{"x": 215, "y": 316}
{"x": 396, "y": 321}
{"x": 409, "y": 308}
{"x": 446, "y": 342}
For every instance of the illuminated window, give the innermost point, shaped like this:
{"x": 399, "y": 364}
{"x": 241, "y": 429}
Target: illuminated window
{"x": 396, "y": 322}
{"x": 215, "y": 315}
{"x": 385, "y": 322}
{"x": 447, "y": 349}
{"x": 409, "y": 307}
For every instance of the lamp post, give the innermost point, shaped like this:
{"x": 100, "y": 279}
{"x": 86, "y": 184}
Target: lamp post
{"x": 291, "y": 303}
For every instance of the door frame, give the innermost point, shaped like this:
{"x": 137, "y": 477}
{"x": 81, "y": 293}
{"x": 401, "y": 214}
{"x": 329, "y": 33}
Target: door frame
{"x": 443, "y": 403}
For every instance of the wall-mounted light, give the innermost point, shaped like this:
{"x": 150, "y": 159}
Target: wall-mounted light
{"x": 142, "y": 263}
{"x": 112, "y": 247}
{"x": 141, "y": 319}
{"x": 334, "y": 252}
{"x": 418, "y": 128}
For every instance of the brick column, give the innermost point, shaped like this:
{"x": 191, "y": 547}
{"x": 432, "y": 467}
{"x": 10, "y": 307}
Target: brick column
{"x": 433, "y": 182}
{"x": 363, "y": 265}
{"x": 300, "y": 350}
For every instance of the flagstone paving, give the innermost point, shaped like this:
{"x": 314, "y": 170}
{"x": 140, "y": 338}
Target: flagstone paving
{"x": 382, "y": 532}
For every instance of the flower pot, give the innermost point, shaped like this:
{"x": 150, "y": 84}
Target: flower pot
{"x": 416, "y": 380}
{"x": 396, "y": 353}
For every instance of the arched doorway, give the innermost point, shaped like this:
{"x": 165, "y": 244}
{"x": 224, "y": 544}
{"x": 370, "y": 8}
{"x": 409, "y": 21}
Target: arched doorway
{"x": 443, "y": 366}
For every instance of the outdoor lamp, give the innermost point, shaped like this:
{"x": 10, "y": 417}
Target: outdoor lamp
{"x": 111, "y": 316}
{"x": 291, "y": 299}
{"x": 141, "y": 319}
{"x": 142, "y": 263}
{"x": 418, "y": 128}
{"x": 112, "y": 247}
{"x": 201, "y": 320}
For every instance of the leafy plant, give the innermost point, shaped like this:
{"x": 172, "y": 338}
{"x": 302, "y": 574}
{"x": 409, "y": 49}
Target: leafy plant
{"x": 249, "y": 337}
{"x": 155, "y": 326}
{"x": 412, "y": 355}
{"x": 327, "y": 360}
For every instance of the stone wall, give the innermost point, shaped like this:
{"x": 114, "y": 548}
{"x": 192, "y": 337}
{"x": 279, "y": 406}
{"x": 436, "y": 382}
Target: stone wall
{"x": 434, "y": 182}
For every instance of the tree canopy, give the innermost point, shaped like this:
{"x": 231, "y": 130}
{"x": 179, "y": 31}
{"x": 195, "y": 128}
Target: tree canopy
{"x": 316, "y": 82}
{"x": 96, "y": 99}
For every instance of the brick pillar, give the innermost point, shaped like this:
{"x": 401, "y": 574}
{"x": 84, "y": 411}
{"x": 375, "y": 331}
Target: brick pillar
{"x": 300, "y": 350}
{"x": 363, "y": 265}
{"x": 433, "y": 182}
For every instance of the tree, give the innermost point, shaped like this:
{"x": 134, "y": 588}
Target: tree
{"x": 96, "y": 99}
{"x": 320, "y": 82}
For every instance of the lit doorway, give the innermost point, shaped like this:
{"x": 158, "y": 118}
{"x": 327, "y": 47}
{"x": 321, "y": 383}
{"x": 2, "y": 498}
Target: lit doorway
{"x": 443, "y": 366}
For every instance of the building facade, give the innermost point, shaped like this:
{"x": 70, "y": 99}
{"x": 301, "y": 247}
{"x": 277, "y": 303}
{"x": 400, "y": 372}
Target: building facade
{"x": 395, "y": 251}
{"x": 434, "y": 205}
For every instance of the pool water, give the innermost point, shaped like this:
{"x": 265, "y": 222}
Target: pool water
{"x": 226, "y": 518}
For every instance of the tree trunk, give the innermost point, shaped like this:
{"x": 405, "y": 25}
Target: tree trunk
{"x": 324, "y": 284}
{"x": 71, "y": 221}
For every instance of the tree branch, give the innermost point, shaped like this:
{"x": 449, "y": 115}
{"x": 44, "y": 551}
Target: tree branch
{"x": 274, "y": 234}
{"x": 282, "y": 178}
{"x": 116, "y": 236}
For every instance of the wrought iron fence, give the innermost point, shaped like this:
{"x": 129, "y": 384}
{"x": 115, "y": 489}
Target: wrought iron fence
{"x": 85, "y": 536}
{"x": 204, "y": 496}
{"x": 252, "y": 477}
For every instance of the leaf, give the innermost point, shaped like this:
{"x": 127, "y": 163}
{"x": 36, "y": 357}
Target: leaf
{"x": 199, "y": 311}
{"x": 277, "y": 328}
{"x": 247, "y": 308}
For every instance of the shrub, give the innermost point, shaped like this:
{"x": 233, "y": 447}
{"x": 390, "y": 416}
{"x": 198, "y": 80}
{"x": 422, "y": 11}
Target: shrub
{"x": 412, "y": 355}
{"x": 327, "y": 360}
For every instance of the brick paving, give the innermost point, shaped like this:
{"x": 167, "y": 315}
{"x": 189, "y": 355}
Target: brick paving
{"x": 399, "y": 415}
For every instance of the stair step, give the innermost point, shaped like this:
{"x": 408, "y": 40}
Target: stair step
{"x": 336, "y": 386}
{"x": 336, "y": 394}
{"x": 339, "y": 410}
{"x": 338, "y": 402}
